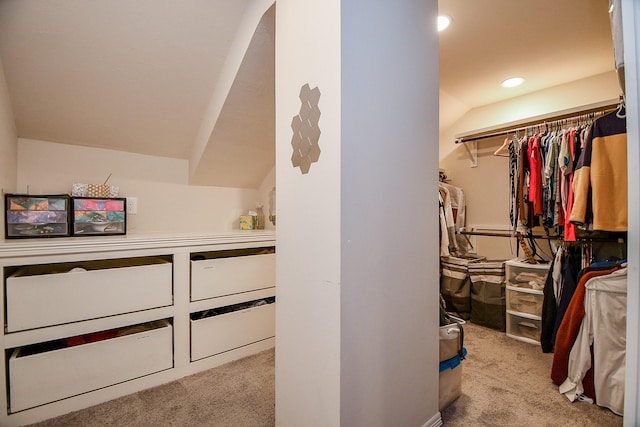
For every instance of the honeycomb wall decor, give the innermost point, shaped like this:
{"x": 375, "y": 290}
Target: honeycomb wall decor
{"x": 306, "y": 132}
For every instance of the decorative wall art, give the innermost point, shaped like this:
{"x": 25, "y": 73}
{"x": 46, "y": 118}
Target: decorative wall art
{"x": 306, "y": 132}
{"x": 36, "y": 216}
{"x": 104, "y": 216}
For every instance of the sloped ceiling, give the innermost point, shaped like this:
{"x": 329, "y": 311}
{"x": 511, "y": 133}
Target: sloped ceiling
{"x": 138, "y": 76}
{"x": 148, "y": 76}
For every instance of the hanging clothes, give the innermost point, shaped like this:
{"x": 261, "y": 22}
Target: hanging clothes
{"x": 458, "y": 208}
{"x": 569, "y": 227}
{"x": 444, "y": 232}
{"x": 569, "y": 328}
{"x": 601, "y": 176}
{"x": 513, "y": 184}
{"x": 535, "y": 174}
{"x": 571, "y": 266}
{"x": 604, "y": 328}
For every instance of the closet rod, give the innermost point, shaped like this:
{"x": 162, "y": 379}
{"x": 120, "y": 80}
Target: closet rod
{"x": 538, "y": 236}
{"x": 512, "y": 127}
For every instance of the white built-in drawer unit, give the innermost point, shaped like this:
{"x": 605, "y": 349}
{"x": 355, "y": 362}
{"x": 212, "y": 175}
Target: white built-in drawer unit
{"x": 38, "y": 377}
{"x": 220, "y": 273}
{"x": 226, "y": 328}
{"x": 52, "y": 294}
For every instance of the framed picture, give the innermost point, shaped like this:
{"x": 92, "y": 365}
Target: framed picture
{"x": 98, "y": 216}
{"x": 36, "y": 216}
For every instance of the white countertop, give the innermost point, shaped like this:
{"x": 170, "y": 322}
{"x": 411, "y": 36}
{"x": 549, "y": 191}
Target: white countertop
{"x": 69, "y": 245}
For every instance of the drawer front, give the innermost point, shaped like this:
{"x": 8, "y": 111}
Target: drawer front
{"x": 225, "y": 332}
{"x": 226, "y": 276}
{"x": 525, "y": 302}
{"x": 525, "y": 328}
{"x": 52, "y": 299}
{"x": 523, "y": 275}
{"x": 46, "y": 377}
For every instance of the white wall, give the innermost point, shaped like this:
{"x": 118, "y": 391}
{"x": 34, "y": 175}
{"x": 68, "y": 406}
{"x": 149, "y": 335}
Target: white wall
{"x": 357, "y": 237}
{"x": 8, "y": 143}
{"x": 268, "y": 183}
{"x": 389, "y": 298}
{"x": 308, "y": 223}
{"x": 166, "y": 204}
{"x": 630, "y": 20}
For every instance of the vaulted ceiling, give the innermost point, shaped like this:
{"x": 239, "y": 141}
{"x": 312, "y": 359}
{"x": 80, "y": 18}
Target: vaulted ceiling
{"x": 188, "y": 79}
{"x": 194, "y": 79}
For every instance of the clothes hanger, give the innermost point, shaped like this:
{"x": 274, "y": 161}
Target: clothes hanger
{"x": 504, "y": 145}
{"x": 621, "y": 113}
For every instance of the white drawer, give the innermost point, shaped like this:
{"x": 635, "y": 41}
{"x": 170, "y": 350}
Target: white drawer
{"x": 224, "y": 332}
{"x": 212, "y": 278}
{"x": 525, "y": 300}
{"x": 39, "y": 296}
{"x": 42, "y": 378}
{"x": 524, "y": 327}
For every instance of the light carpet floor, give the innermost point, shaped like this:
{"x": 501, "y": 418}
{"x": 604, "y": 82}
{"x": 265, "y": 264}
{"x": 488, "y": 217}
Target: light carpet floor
{"x": 238, "y": 394}
{"x": 505, "y": 383}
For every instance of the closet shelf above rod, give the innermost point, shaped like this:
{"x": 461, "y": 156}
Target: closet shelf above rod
{"x": 524, "y": 124}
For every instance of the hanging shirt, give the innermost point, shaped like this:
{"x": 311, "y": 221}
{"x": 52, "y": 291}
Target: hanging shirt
{"x": 522, "y": 190}
{"x": 513, "y": 184}
{"x": 450, "y": 221}
{"x": 551, "y": 162}
{"x": 444, "y": 233}
{"x": 535, "y": 174}
{"x": 569, "y": 227}
{"x": 604, "y": 327}
{"x": 602, "y": 169}
{"x": 456, "y": 195}
{"x": 566, "y": 165}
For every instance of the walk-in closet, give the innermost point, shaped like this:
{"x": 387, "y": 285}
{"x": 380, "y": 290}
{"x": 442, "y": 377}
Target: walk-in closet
{"x": 534, "y": 214}
{"x": 368, "y": 304}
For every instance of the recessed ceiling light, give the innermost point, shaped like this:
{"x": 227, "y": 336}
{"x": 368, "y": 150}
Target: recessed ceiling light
{"x": 513, "y": 82}
{"x": 443, "y": 22}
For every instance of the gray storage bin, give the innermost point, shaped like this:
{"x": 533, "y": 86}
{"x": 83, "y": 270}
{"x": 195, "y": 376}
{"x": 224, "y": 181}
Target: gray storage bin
{"x": 455, "y": 284}
{"x": 488, "y": 302}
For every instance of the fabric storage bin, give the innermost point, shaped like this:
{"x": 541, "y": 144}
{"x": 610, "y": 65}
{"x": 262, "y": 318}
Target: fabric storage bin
{"x": 525, "y": 300}
{"x": 230, "y": 272}
{"x": 450, "y": 380}
{"x": 524, "y": 327}
{"x": 226, "y": 328}
{"x": 46, "y": 295}
{"x": 488, "y": 294}
{"x": 44, "y": 377}
{"x": 524, "y": 275}
{"x": 455, "y": 284}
